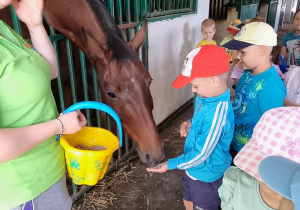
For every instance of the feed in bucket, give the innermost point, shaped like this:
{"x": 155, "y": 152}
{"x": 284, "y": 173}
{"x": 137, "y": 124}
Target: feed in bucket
{"x": 92, "y": 148}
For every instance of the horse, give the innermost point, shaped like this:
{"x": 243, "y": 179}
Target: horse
{"x": 123, "y": 80}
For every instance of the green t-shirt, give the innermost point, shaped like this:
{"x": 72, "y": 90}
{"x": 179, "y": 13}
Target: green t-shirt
{"x": 26, "y": 99}
{"x": 240, "y": 191}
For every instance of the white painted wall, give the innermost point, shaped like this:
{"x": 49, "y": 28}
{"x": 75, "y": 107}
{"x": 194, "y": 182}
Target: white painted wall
{"x": 169, "y": 43}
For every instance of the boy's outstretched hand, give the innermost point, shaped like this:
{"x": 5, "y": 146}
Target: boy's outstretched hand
{"x": 160, "y": 168}
{"x": 185, "y": 128}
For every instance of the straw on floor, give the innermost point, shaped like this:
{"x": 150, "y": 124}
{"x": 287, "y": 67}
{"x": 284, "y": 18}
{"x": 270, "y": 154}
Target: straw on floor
{"x": 102, "y": 194}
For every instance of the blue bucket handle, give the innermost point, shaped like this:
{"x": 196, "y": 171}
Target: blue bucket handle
{"x": 98, "y": 106}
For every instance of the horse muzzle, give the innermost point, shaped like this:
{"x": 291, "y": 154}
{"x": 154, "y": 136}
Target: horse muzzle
{"x": 151, "y": 158}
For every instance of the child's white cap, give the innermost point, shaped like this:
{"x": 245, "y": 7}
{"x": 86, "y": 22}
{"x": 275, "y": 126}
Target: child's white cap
{"x": 256, "y": 33}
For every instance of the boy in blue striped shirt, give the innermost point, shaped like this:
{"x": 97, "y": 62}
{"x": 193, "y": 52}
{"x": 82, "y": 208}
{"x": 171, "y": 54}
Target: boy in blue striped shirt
{"x": 209, "y": 133}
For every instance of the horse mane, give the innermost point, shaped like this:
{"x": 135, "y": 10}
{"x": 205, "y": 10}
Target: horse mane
{"x": 115, "y": 40}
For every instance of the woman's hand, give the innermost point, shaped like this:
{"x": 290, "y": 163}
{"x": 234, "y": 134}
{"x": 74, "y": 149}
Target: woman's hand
{"x": 72, "y": 122}
{"x": 29, "y": 11}
{"x": 185, "y": 128}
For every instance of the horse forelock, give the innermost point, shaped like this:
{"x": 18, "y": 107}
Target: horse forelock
{"x": 115, "y": 42}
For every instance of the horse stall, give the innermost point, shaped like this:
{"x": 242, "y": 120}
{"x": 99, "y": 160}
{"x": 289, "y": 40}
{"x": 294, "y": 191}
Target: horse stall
{"x": 96, "y": 65}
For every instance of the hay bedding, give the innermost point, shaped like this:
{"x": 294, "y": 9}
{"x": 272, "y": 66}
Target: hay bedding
{"x": 132, "y": 187}
{"x": 102, "y": 195}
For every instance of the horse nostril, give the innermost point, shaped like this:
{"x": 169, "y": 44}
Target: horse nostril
{"x": 148, "y": 157}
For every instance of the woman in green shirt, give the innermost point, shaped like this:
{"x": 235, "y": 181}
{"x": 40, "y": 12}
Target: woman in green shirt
{"x": 32, "y": 164}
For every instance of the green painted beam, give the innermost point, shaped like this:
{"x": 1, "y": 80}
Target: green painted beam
{"x": 170, "y": 12}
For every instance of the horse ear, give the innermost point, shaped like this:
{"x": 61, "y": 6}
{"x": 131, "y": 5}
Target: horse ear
{"x": 139, "y": 37}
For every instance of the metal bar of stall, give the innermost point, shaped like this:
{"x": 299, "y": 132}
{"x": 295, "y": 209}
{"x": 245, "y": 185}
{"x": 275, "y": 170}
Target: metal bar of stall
{"x": 185, "y": 3}
{"x": 118, "y": 12}
{"x": 144, "y": 10}
{"x": 126, "y": 143}
{"x": 59, "y": 78}
{"x": 128, "y": 19}
{"x": 164, "y": 5}
{"x": 85, "y": 84}
{"x": 110, "y": 6}
{"x": 136, "y": 11}
{"x": 181, "y": 4}
{"x": 177, "y": 4}
{"x": 71, "y": 71}
{"x": 97, "y": 94}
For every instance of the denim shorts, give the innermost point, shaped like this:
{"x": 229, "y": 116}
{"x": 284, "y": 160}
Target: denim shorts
{"x": 203, "y": 195}
{"x": 56, "y": 197}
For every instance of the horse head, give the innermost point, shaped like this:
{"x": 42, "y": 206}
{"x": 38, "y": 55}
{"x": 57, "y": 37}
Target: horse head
{"x": 123, "y": 80}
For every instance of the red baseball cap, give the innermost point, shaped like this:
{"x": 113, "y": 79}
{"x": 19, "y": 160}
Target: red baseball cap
{"x": 205, "y": 61}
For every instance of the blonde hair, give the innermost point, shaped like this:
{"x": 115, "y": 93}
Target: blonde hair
{"x": 208, "y": 23}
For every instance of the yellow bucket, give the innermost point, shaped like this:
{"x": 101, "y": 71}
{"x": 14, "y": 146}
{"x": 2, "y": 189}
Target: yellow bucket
{"x": 86, "y": 166}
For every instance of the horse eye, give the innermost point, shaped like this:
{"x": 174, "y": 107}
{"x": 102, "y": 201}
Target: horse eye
{"x": 112, "y": 95}
{"x": 150, "y": 81}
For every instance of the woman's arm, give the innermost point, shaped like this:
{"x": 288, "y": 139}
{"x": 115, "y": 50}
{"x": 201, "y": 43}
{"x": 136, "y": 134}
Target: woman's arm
{"x": 42, "y": 44}
{"x": 17, "y": 141}
{"x": 30, "y": 12}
